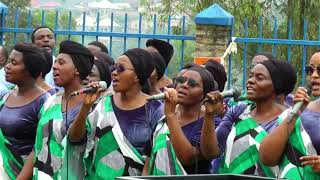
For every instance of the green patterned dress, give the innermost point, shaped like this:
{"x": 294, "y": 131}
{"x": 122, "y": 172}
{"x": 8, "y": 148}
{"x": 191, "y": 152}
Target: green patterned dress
{"x": 241, "y": 154}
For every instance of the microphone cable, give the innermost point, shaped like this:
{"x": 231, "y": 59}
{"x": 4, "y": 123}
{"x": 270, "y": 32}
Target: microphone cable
{"x": 288, "y": 134}
{"x": 195, "y": 149}
{"x": 66, "y": 124}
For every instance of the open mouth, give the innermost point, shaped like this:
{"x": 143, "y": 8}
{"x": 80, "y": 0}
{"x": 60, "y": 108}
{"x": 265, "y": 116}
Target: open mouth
{"x": 55, "y": 75}
{"x": 315, "y": 85}
{"x": 183, "y": 93}
{"x": 47, "y": 47}
{"x": 6, "y": 72}
{"x": 250, "y": 89}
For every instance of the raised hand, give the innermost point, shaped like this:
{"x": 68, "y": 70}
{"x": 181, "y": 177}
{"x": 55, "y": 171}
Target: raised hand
{"x": 90, "y": 98}
{"x": 213, "y": 103}
{"x": 301, "y": 95}
{"x": 170, "y": 102}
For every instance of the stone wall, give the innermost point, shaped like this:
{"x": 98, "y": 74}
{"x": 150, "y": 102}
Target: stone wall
{"x": 211, "y": 40}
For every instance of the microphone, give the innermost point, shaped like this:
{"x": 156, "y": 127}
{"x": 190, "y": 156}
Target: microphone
{"x": 236, "y": 92}
{"x": 297, "y": 107}
{"x": 160, "y": 96}
{"x": 102, "y": 84}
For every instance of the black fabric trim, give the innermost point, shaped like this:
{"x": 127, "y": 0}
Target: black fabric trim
{"x": 250, "y": 170}
{"x": 237, "y": 121}
{"x": 293, "y": 154}
{"x": 252, "y": 132}
{"x": 46, "y": 167}
{"x": 103, "y": 131}
{"x": 130, "y": 163}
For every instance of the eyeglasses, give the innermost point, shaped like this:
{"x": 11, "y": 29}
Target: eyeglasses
{"x": 181, "y": 80}
{"x": 120, "y": 68}
{"x": 310, "y": 70}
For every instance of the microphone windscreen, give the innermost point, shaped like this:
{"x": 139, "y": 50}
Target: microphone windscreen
{"x": 103, "y": 85}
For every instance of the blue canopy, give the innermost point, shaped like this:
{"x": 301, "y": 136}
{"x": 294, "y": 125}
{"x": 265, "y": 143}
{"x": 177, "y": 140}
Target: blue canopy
{"x": 214, "y": 15}
{"x": 3, "y": 8}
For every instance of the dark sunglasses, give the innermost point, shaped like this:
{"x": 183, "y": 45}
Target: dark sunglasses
{"x": 181, "y": 80}
{"x": 120, "y": 68}
{"x": 310, "y": 70}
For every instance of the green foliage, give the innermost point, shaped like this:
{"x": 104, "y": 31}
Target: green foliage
{"x": 174, "y": 66}
{"x": 13, "y": 5}
{"x": 252, "y": 10}
{"x": 16, "y": 3}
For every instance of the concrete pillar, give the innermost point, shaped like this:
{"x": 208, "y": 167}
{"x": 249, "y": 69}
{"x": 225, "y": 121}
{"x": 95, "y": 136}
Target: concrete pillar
{"x": 213, "y": 30}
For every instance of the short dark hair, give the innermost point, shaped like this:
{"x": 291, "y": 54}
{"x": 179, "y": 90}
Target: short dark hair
{"x": 159, "y": 63}
{"x": 36, "y": 29}
{"x": 104, "y": 70}
{"x": 100, "y": 45}
{"x": 164, "y": 48}
{"x": 33, "y": 58}
{"x": 48, "y": 62}
{"x": 102, "y": 56}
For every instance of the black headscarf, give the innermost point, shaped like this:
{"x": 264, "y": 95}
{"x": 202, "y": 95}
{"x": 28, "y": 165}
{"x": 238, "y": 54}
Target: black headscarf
{"x": 104, "y": 71}
{"x": 289, "y": 76}
{"x": 163, "y": 47}
{"x": 282, "y": 74}
{"x": 209, "y": 84}
{"x": 81, "y": 56}
{"x": 159, "y": 63}
{"x": 142, "y": 63}
{"x": 218, "y": 73}
{"x": 100, "y": 45}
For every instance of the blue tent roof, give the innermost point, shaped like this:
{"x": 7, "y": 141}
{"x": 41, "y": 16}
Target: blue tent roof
{"x": 214, "y": 15}
{"x": 4, "y": 8}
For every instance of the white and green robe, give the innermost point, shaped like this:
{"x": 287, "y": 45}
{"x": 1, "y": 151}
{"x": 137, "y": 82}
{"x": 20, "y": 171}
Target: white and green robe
{"x": 241, "y": 154}
{"x": 299, "y": 144}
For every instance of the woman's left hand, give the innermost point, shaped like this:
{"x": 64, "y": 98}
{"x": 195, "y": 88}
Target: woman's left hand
{"x": 313, "y": 161}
